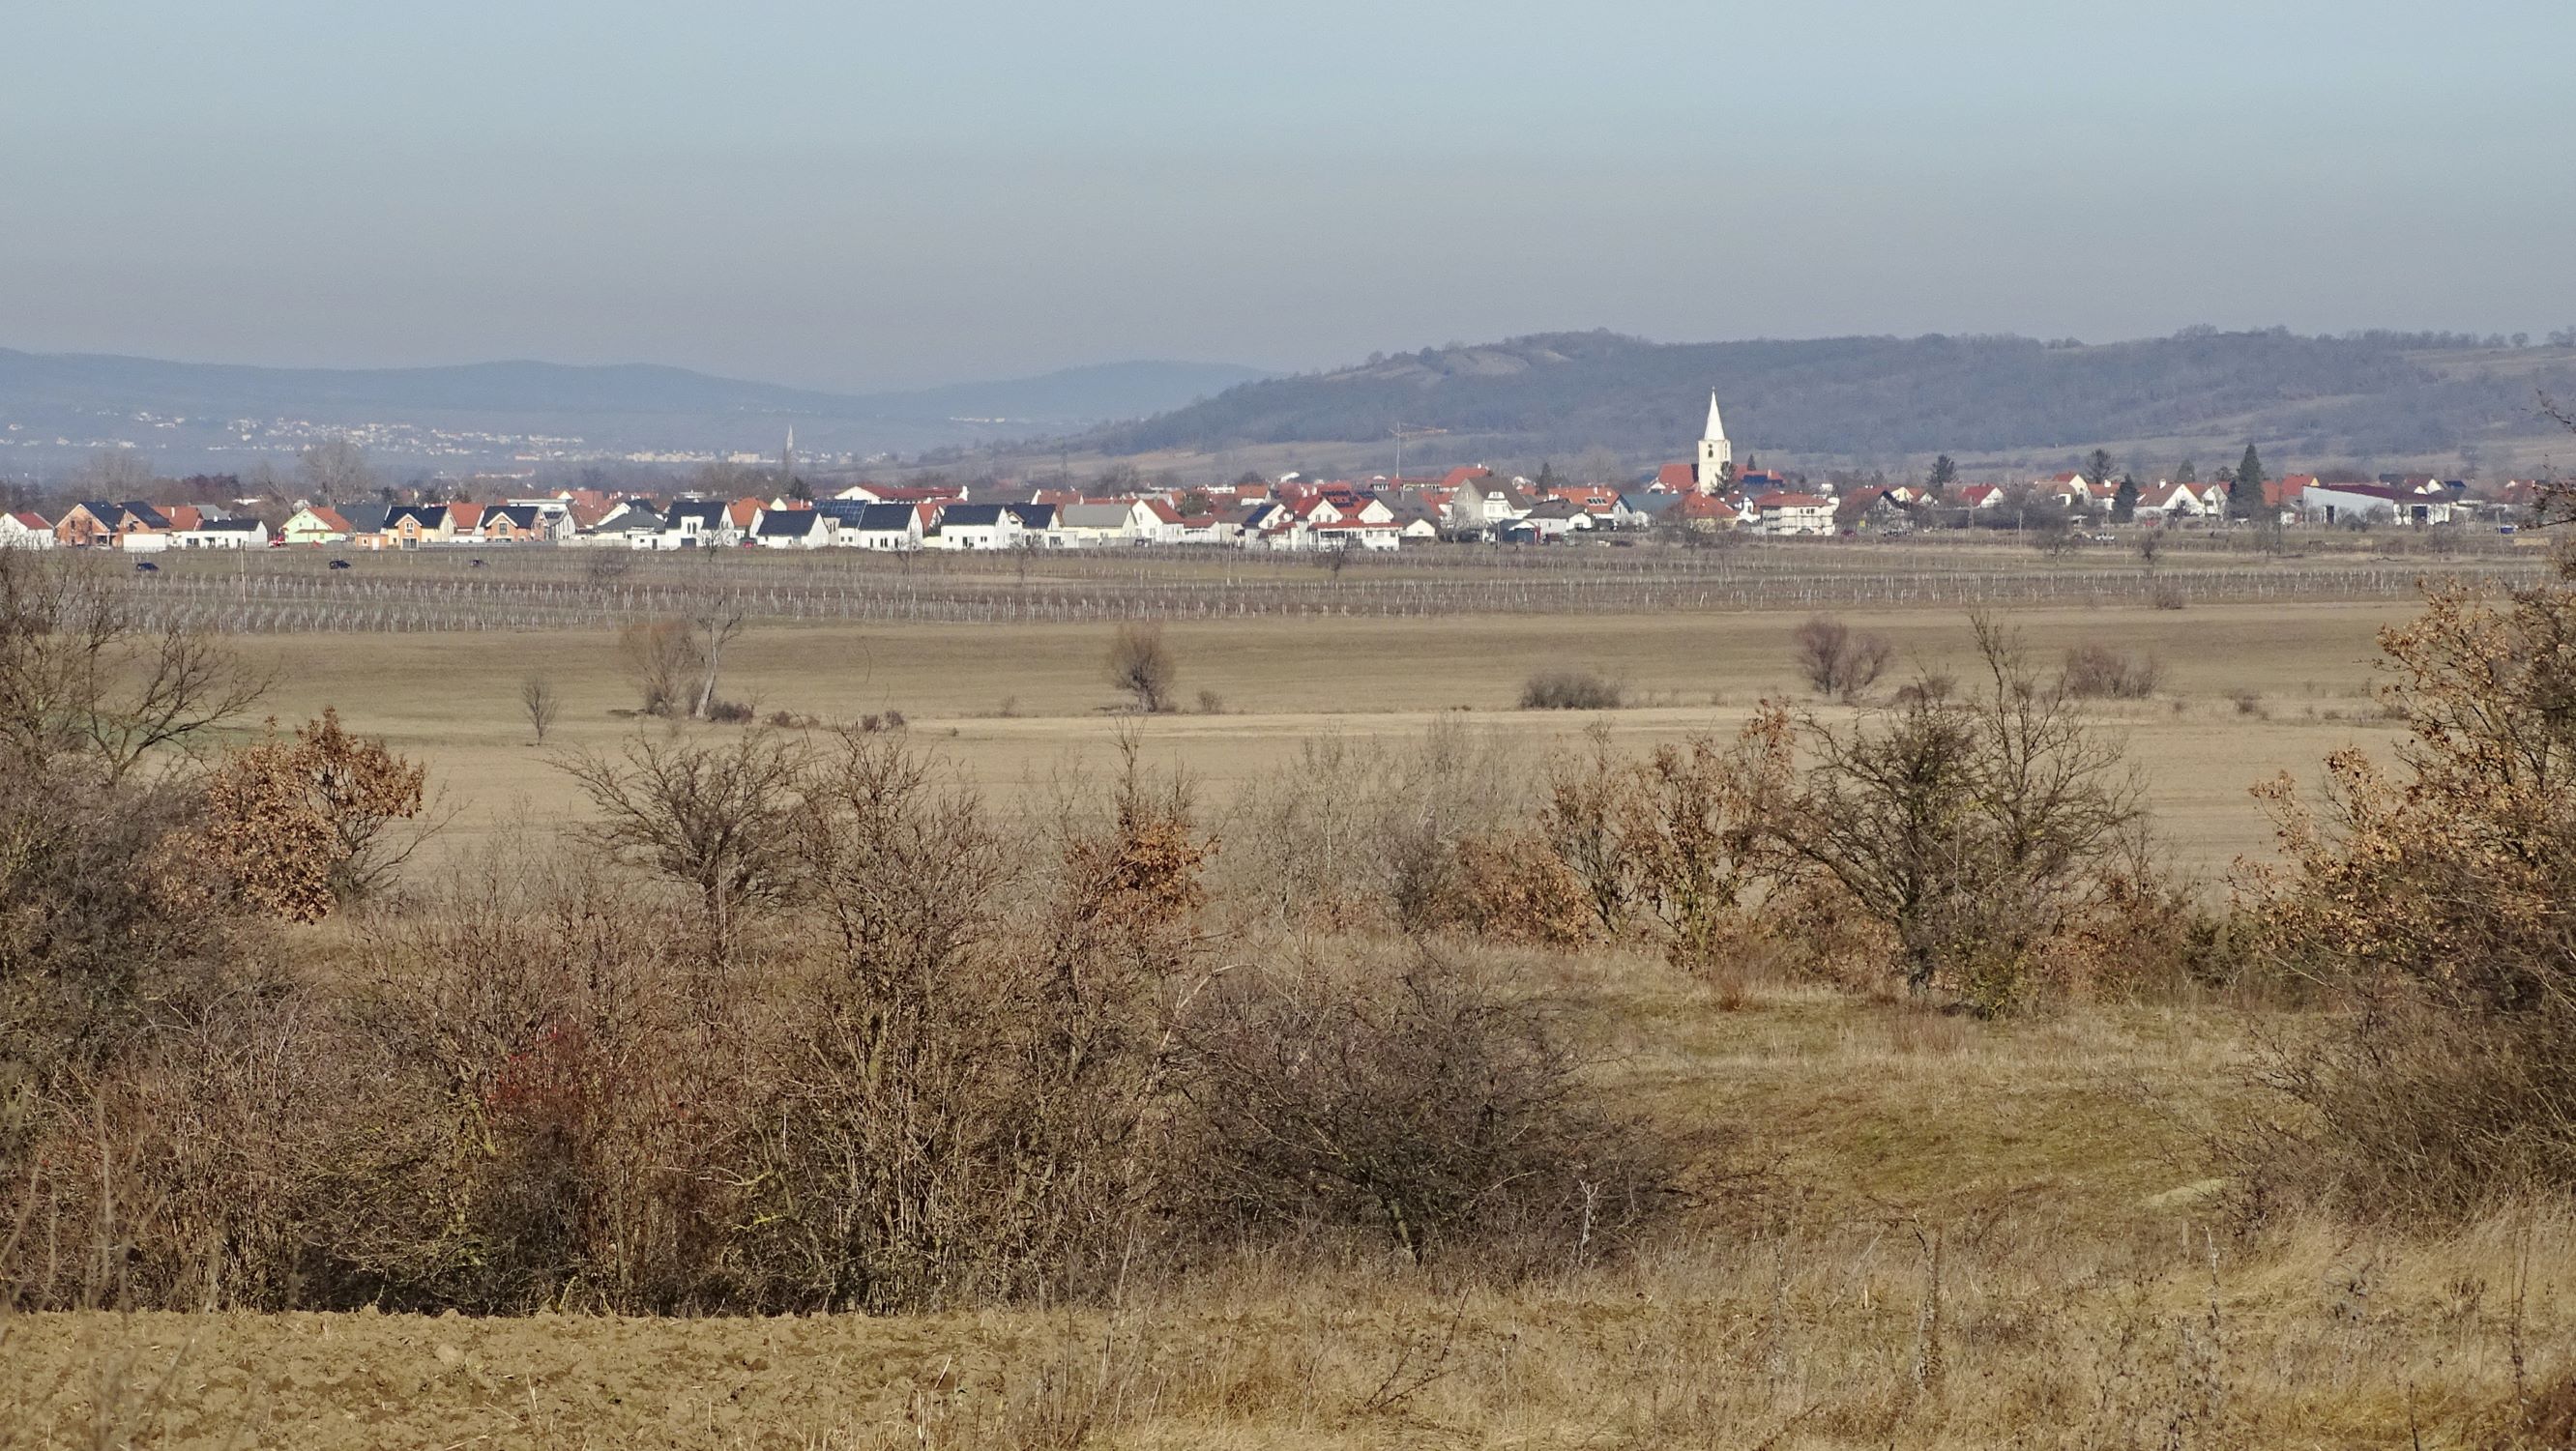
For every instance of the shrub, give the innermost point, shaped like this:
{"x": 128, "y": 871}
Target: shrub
{"x": 1429, "y": 1109}
{"x": 1141, "y": 665}
{"x": 1839, "y": 661}
{"x": 2436, "y": 902}
{"x": 1570, "y": 690}
{"x": 2094, "y": 672}
{"x": 1973, "y": 830}
{"x": 305, "y": 824}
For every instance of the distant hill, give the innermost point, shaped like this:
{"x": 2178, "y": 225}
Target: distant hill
{"x": 2382, "y": 396}
{"x": 71, "y": 403}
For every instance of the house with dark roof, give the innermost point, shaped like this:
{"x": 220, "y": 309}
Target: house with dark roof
{"x": 412, "y": 526}
{"x": 794, "y": 529}
{"x": 975, "y": 526}
{"x": 87, "y": 523}
{"x": 893, "y": 527}
{"x": 696, "y": 524}
{"x": 521, "y": 524}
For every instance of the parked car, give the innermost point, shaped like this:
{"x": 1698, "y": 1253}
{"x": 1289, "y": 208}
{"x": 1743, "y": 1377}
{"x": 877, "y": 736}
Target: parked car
{"x": 145, "y": 566}
{"x": 339, "y": 564}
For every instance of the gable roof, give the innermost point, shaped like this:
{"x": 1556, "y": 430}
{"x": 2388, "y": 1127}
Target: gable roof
{"x": 427, "y": 516}
{"x": 517, "y": 516}
{"x": 709, "y": 513}
{"x": 973, "y": 516}
{"x": 30, "y": 519}
{"x": 1033, "y": 516}
{"x": 786, "y": 523}
{"x": 143, "y": 514}
{"x": 329, "y": 519}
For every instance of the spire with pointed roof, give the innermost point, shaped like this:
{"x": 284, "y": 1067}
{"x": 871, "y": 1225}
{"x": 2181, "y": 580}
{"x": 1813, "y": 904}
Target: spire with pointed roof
{"x": 1716, "y": 462}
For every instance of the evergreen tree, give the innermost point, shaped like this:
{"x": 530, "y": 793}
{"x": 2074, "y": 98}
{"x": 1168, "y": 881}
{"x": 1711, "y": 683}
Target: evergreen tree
{"x": 2245, "y": 487}
{"x": 2097, "y": 469}
{"x": 1945, "y": 472}
{"x": 2186, "y": 473}
{"x": 2124, "y": 501}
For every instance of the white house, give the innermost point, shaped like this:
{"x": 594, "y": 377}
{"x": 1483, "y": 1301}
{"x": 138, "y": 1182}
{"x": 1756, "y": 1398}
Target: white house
{"x": 1353, "y": 534}
{"x": 696, "y": 524}
{"x": 793, "y": 529}
{"x": 1782, "y": 515}
{"x": 25, "y": 529}
{"x": 893, "y": 527}
{"x": 2170, "y": 501}
{"x": 2374, "y": 503}
{"x": 975, "y": 526}
{"x": 220, "y": 534}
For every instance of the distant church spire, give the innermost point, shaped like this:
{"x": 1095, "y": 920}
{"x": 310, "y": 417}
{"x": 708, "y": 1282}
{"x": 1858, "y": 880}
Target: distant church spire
{"x": 1716, "y": 456}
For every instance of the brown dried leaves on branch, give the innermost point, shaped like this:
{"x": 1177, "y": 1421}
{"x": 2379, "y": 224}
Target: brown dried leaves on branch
{"x": 305, "y": 824}
{"x": 2440, "y": 899}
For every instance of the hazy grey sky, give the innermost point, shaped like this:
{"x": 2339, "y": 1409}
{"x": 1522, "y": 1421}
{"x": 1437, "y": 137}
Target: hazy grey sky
{"x": 856, "y": 195}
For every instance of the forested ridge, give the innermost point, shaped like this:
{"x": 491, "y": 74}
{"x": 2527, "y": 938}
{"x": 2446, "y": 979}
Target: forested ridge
{"x": 2351, "y": 396}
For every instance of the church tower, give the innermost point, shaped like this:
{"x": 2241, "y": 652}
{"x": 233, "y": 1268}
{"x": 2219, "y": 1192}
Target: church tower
{"x": 1715, "y": 453}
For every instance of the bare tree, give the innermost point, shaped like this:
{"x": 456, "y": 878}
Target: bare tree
{"x": 1840, "y": 661}
{"x": 720, "y": 819}
{"x": 1970, "y": 828}
{"x": 660, "y": 655}
{"x": 604, "y": 565}
{"x": 114, "y": 473}
{"x": 715, "y": 624}
{"x": 336, "y": 468}
{"x": 537, "y": 697}
{"x": 1141, "y": 665}
{"x": 82, "y": 673}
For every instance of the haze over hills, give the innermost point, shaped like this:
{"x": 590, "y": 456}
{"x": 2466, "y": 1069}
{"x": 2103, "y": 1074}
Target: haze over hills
{"x": 2443, "y": 401}
{"x": 58, "y": 407}
{"x": 2363, "y": 398}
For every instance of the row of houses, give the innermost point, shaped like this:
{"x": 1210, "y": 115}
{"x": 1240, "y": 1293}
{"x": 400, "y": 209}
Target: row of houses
{"x": 133, "y": 524}
{"x": 1471, "y": 503}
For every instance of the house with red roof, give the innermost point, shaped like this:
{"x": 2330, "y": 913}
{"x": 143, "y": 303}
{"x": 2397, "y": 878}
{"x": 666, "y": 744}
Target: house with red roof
{"x": 25, "y": 529}
{"x": 315, "y": 524}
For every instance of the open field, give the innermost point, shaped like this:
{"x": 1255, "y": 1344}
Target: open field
{"x": 1921, "y": 1229}
{"x": 452, "y": 698}
{"x": 467, "y": 588}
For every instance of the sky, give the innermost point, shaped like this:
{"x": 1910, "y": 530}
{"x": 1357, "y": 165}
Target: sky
{"x": 868, "y": 195}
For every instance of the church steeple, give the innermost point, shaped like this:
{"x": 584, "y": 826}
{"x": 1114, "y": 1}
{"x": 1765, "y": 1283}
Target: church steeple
{"x": 1716, "y": 456}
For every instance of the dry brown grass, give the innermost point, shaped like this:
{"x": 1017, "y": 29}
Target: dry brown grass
{"x": 2076, "y": 1297}
{"x": 1926, "y": 1229}
{"x": 452, "y": 700}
